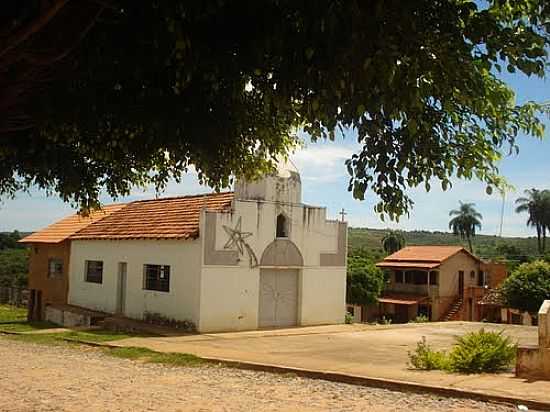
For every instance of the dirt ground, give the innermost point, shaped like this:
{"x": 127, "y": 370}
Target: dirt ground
{"x": 50, "y": 378}
{"x": 362, "y": 350}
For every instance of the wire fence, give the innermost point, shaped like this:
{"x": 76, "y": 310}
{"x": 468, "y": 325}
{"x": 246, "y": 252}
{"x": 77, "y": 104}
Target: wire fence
{"x": 14, "y": 296}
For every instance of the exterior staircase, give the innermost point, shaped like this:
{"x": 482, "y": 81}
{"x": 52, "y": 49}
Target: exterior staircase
{"x": 453, "y": 311}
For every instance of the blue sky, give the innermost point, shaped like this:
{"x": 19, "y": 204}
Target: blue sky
{"x": 324, "y": 181}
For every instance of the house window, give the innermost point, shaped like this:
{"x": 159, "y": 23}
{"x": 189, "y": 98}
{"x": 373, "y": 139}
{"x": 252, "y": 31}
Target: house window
{"x": 398, "y": 276}
{"x": 282, "y": 226}
{"x": 473, "y": 274}
{"x": 157, "y": 277}
{"x": 516, "y": 319}
{"x": 94, "y": 271}
{"x": 481, "y": 278}
{"x": 55, "y": 268}
{"x": 433, "y": 278}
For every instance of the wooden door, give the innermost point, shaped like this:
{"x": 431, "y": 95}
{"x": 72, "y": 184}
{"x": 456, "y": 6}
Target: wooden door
{"x": 461, "y": 284}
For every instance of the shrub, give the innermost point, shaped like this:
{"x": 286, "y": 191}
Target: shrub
{"x": 384, "y": 321}
{"x": 474, "y": 352}
{"x": 482, "y": 352}
{"x": 420, "y": 319}
{"x": 349, "y": 318}
{"x": 161, "y": 320}
{"x": 425, "y": 358}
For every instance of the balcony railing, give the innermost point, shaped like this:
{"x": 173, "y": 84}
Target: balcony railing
{"x": 425, "y": 290}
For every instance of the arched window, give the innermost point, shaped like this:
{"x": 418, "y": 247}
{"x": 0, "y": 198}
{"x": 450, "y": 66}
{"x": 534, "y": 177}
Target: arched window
{"x": 282, "y": 226}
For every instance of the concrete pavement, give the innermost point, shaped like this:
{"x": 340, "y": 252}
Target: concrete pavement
{"x": 357, "y": 350}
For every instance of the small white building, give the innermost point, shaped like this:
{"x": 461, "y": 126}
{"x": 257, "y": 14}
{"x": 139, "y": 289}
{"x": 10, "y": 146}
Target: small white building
{"x": 251, "y": 259}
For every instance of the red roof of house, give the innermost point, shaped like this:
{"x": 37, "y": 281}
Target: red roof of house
{"x": 70, "y": 225}
{"x": 167, "y": 218}
{"x": 423, "y": 257}
{"x": 408, "y": 264}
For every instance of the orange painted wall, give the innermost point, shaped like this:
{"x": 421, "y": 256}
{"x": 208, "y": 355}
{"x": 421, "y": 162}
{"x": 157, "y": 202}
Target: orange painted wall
{"x": 54, "y": 290}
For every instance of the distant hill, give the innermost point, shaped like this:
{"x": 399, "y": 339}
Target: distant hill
{"x": 485, "y": 246}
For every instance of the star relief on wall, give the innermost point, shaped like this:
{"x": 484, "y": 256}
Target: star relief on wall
{"x": 237, "y": 240}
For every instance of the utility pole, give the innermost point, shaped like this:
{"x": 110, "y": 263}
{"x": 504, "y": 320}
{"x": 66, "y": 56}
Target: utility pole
{"x": 502, "y": 214}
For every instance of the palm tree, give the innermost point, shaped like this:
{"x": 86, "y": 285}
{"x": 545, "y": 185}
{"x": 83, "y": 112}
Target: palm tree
{"x": 465, "y": 222}
{"x": 537, "y": 204}
{"x": 393, "y": 241}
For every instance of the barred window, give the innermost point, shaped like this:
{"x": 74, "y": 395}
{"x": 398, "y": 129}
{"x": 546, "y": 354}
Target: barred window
{"x": 94, "y": 271}
{"x": 55, "y": 268}
{"x": 157, "y": 277}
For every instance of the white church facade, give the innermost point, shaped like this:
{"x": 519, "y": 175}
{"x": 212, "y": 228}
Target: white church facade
{"x": 254, "y": 258}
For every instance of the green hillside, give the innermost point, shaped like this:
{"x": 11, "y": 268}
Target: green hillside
{"x": 485, "y": 246}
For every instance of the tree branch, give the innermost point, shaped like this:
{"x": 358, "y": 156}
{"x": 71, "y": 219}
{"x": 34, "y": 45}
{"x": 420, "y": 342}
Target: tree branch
{"x": 35, "y": 26}
{"x": 48, "y": 61}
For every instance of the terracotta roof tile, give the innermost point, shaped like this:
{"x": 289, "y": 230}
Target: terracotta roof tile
{"x": 408, "y": 264}
{"x": 426, "y": 254}
{"x": 70, "y": 225}
{"x": 165, "y": 218}
{"x": 492, "y": 297}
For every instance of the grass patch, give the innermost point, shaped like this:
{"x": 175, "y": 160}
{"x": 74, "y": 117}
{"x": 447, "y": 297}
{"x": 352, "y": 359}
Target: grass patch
{"x": 10, "y": 313}
{"x": 12, "y": 319}
{"x": 26, "y": 326}
{"x": 148, "y": 355}
{"x": 95, "y": 336}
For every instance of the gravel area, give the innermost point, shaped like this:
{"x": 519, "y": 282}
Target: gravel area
{"x": 50, "y": 378}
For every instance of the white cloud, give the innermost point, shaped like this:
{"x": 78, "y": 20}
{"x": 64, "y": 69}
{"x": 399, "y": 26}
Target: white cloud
{"x": 322, "y": 163}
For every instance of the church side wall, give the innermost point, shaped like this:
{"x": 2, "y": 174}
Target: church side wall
{"x": 183, "y": 257}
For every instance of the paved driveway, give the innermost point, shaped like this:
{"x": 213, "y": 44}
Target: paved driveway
{"x": 364, "y": 350}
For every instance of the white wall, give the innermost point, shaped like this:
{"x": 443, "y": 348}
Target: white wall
{"x": 229, "y": 299}
{"x": 183, "y": 257}
{"x": 323, "y": 296}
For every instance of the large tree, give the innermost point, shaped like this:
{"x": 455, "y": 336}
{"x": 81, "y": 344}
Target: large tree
{"x": 365, "y": 282}
{"x": 528, "y": 286}
{"x": 465, "y": 221}
{"x": 537, "y": 204}
{"x": 105, "y": 94}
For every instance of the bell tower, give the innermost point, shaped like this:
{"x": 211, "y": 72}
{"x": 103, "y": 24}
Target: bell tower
{"x": 281, "y": 186}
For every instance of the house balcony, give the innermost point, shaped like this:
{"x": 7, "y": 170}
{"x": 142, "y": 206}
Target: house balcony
{"x": 413, "y": 289}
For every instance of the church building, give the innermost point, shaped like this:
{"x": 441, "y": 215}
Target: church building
{"x": 254, "y": 258}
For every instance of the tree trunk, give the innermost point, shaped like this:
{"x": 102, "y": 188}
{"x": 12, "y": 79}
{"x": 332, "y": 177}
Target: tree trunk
{"x": 470, "y": 245}
{"x": 539, "y": 244}
{"x": 543, "y": 240}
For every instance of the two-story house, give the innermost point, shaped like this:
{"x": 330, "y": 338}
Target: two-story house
{"x": 439, "y": 282}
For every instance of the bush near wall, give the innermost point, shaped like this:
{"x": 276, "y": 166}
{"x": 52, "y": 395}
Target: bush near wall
{"x": 475, "y": 352}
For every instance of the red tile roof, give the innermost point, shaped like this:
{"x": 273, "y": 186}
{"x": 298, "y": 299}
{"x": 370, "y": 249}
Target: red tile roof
{"x": 167, "y": 218}
{"x": 412, "y": 265}
{"x": 70, "y": 225}
{"x": 422, "y": 257}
